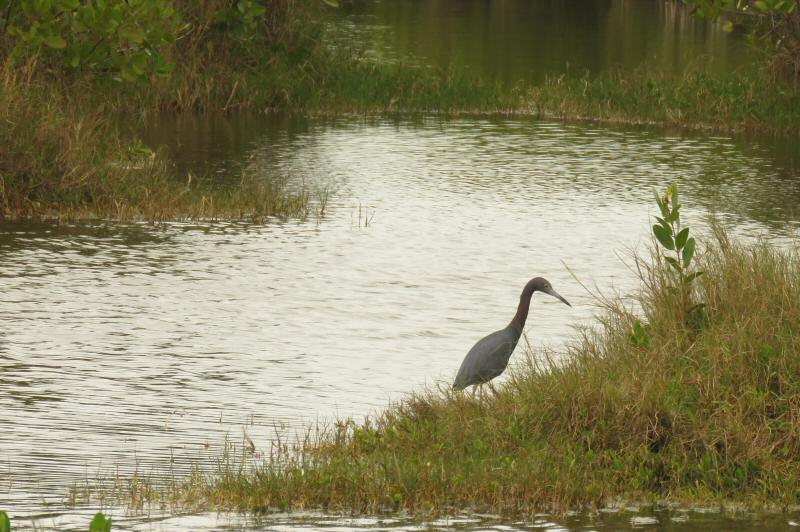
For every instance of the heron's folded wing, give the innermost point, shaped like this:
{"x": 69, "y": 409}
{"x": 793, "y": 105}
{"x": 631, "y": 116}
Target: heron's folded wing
{"x": 487, "y": 358}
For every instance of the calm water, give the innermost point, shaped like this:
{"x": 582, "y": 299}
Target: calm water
{"x": 512, "y": 40}
{"x": 129, "y": 347}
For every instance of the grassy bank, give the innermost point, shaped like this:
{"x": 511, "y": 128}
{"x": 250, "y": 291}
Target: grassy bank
{"x": 697, "y": 411}
{"x": 694, "y": 100}
{"x": 62, "y": 158}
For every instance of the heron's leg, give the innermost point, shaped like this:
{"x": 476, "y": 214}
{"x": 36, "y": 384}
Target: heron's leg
{"x": 491, "y": 387}
{"x": 481, "y": 392}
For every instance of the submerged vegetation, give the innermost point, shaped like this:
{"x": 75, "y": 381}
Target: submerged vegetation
{"x": 693, "y": 398}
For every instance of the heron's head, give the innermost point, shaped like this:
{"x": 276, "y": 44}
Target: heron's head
{"x": 540, "y": 284}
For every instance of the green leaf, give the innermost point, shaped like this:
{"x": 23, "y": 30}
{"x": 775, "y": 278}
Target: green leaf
{"x": 55, "y": 41}
{"x": 639, "y": 337}
{"x": 138, "y": 63}
{"x": 673, "y": 193}
{"x": 692, "y": 276}
{"x": 127, "y": 73}
{"x": 100, "y": 523}
{"x": 688, "y": 252}
{"x": 132, "y": 34}
{"x": 116, "y": 14}
{"x": 727, "y": 27}
{"x": 5, "y": 522}
{"x": 660, "y": 203}
{"x": 664, "y": 236}
{"x": 672, "y": 261}
{"x": 680, "y": 240}
{"x": 664, "y": 223}
{"x": 674, "y": 215}
{"x": 162, "y": 66}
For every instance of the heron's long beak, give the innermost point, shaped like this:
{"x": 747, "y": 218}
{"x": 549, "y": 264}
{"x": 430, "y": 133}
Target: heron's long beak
{"x": 556, "y": 295}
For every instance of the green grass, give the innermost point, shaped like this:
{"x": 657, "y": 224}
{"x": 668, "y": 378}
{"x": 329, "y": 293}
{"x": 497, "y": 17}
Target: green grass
{"x": 693, "y": 411}
{"x": 335, "y": 82}
{"x": 695, "y": 100}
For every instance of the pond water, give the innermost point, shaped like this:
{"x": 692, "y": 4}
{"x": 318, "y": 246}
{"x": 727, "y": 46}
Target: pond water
{"x": 512, "y": 40}
{"x": 139, "y": 347}
{"x": 134, "y": 347}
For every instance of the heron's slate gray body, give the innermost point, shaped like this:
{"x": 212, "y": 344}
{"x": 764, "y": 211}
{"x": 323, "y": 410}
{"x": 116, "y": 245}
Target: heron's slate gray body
{"x": 489, "y": 357}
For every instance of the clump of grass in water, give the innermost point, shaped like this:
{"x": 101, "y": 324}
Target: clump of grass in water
{"x": 689, "y": 411}
{"x": 100, "y": 523}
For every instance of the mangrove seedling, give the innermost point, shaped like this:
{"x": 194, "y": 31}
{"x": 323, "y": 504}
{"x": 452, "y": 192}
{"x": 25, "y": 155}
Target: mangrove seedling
{"x": 678, "y": 247}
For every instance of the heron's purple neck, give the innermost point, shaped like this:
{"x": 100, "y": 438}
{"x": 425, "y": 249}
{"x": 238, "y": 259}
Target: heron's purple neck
{"x": 518, "y": 322}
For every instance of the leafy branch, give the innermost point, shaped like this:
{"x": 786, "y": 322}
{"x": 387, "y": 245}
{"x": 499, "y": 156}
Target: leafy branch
{"x": 669, "y": 234}
{"x": 679, "y": 251}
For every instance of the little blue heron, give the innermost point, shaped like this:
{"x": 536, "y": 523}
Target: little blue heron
{"x": 489, "y": 357}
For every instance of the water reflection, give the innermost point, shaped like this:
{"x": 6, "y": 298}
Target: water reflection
{"x": 753, "y": 176}
{"x": 141, "y": 347}
{"x": 510, "y": 40}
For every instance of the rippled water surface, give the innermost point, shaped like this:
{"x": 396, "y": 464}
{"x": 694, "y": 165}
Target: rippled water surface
{"x": 139, "y": 346}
